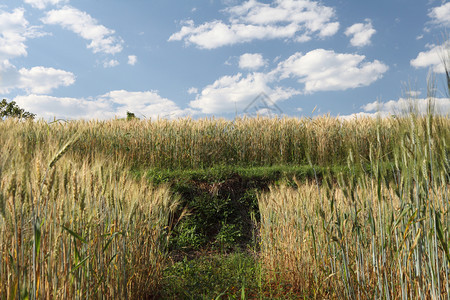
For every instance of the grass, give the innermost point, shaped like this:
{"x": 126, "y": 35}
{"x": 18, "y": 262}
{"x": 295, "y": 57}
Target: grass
{"x": 236, "y": 275}
{"x": 211, "y": 276}
{"x": 223, "y": 199}
{"x": 275, "y": 173}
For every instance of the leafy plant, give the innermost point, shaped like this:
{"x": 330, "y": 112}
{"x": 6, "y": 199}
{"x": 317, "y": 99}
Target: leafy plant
{"x": 212, "y": 277}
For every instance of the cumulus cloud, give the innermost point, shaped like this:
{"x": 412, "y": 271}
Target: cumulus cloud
{"x": 192, "y": 90}
{"x": 251, "y": 61}
{"x": 14, "y": 31}
{"x": 361, "y": 33}
{"x": 41, "y": 80}
{"x": 435, "y": 55}
{"x": 101, "y": 39}
{"x": 405, "y": 105}
{"x": 42, "y": 4}
{"x": 132, "y": 60}
{"x": 110, "y": 63}
{"x": 217, "y": 34}
{"x": 48, "y": 107}
{"x": 230, "y": 94}
{"x": 325, "y": 70}
{"x": 38, "y": 80}
{"x": 433, "y": 58}
{"x": 110, "y": 105}
{"x": 441, "y": 15}
{"x": 359, "y": 115}
{"x": 148, "y": 104}
{"x": 401, "y": 106}
{"x": 317, "y": 70}
{"x": 298, "y": 20}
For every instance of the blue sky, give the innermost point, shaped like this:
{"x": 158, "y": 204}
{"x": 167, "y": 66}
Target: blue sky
{"x": 98, "y": 59}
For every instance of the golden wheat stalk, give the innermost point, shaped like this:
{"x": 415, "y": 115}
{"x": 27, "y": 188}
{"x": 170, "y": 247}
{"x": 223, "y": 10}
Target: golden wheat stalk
{"x": 63, "y": 150}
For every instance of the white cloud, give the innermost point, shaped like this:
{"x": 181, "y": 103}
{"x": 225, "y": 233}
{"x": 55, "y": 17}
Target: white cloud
{"x": 251, "y": 61}
{"x": 441, "y": 15}
{"x": 303, "y": 38}
{"x": 41, "y": 4}
{"x": 359, "y": 115}
{"x": 132, "y": 59}
{"x": 405, "y": 105}
{"x": 14, "y": 31}
{"x": 253, "y": 20}
{"x": 325, "y": 70}
{"x": 110, "y": 63}
{"x": 228, "y": 2}
{"x": 148, "y": 104}
{"x": 113, "y": 104}
{"x": 361, "y": 33}
{"x": 192, "y": 90}
{"x": 318, "y": 70}
{"x": 217, "y": 34}
{"x": 433, "y": 58}
{"x": 401, "y": 106}
{"x": 38, "y": 80}
{"x": 101, "y": 39}
{"x": 42, "y": 80}
{"x": 230, "y": 94}
{"x": 48, "y": 107}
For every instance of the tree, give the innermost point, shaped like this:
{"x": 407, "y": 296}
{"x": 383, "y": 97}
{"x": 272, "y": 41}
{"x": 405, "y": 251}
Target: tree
{"x": 12, "y": 110}
{"x": 131, "y": 116}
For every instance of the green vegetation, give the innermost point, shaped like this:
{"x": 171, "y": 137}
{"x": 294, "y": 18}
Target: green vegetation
{"x": 222, "y": 201}
{"x": 211, "y": 277}
{"x": 81, "y": 220}
{"x": 76, "y": 229}
{"x": 131, "y": 116}
{"x": 262, "y": 208}
{"x": 208, "y": 143}
{"x": 12, "y": 110}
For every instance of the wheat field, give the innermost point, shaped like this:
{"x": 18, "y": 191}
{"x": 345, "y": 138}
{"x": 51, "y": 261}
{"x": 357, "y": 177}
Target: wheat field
{"x": 73, "y": 228}
{"x": 379, "y": 234}
{"x": 75, "y": 223}
{"x": 188, "y": 143}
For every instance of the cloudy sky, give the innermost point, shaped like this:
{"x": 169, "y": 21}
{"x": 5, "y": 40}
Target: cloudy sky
{"x": 99, "y": 59}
